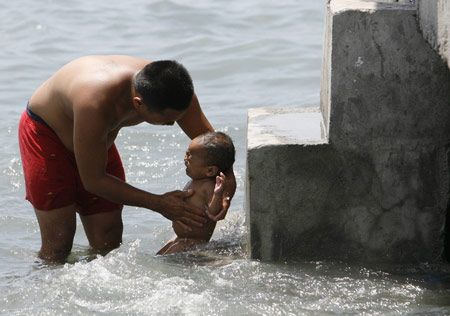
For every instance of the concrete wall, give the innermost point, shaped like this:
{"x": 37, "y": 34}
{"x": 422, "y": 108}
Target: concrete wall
{"x": 389, "y": 121}
{"x": 377, "y": 188}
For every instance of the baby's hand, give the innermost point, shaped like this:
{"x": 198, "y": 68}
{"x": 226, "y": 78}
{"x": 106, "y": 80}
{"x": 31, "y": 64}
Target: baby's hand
{"x": 220, "y": 183}
{"x": 220, "y": 201}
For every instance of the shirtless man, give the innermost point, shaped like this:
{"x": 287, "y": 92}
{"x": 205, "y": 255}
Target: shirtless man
{"x": 71, "y": 164}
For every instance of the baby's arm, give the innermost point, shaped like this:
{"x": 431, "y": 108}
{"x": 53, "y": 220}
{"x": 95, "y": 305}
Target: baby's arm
{"x": 215, "y": 203}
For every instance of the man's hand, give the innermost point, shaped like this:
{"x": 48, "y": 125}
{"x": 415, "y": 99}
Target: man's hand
{"x": 172, "y": 205}
{"x": 227, "y": 195}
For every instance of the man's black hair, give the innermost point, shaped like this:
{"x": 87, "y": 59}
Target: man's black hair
{"x": 218, "y": 150}
{"x": 165, "y": 84}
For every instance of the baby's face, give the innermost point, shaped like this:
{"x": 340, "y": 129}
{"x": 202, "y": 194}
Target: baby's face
{"x": 196, "y": 167}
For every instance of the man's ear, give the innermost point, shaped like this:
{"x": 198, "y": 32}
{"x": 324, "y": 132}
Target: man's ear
{"x": 212, "y": 171}
{"x": 137, "y": 102}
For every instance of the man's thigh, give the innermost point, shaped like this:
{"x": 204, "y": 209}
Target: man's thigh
{"x": 103, "y": 230}
{"x": 57, "y": 231}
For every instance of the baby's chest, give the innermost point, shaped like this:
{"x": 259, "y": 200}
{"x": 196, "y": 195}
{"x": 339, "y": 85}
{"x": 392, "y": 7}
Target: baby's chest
{"x": 200, "y": 196}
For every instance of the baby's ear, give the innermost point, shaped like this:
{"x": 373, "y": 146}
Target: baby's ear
{"x": 212, "y": 171}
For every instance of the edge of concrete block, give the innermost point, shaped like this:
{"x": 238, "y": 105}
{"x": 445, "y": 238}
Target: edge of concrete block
{"x": 285, "y": 126}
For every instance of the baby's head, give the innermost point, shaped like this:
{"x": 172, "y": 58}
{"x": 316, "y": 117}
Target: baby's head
{"x": 208, "y": 155}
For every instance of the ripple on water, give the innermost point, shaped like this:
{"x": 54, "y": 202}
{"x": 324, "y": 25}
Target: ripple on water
{"x": 205, "y": 282}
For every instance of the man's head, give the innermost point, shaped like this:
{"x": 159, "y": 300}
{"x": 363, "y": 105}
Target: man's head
{"x": 164, "y": 85}
{"x": 208, "y": 155}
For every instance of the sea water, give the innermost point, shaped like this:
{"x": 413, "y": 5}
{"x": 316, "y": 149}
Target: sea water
{"x": 241, "y": 54}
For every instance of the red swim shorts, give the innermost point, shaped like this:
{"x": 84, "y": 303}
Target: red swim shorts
{"x": 51, "y": 175}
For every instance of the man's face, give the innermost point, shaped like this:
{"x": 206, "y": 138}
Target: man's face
{"x": 167, "y": 117}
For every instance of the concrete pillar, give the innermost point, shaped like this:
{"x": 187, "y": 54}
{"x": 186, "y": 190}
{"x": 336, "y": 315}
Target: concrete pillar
{"x": 375, "y": 186}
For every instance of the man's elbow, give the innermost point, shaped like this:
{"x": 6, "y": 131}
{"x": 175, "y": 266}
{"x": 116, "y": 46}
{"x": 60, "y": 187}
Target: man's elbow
{"x": 92, "y": 185}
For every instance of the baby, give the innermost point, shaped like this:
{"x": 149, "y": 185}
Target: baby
{"x": 207, "y": 158}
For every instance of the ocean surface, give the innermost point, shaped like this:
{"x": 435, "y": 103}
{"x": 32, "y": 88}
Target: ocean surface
{"x": 241, "y": 55}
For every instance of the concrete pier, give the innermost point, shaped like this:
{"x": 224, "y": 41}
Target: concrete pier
{"x": 366, "y": 176}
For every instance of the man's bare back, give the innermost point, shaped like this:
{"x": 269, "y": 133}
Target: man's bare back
{"x": 103, "y": 82}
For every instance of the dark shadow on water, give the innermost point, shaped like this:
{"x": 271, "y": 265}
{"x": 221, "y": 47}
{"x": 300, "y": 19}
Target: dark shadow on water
{"x": 214, "y": 253}
{"x": 434, "y": 279}
{"x": 429, "y": 276}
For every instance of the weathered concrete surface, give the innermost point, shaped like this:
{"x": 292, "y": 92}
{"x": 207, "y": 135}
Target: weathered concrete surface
{"x": 390, "y": 112}
{"x": 278, "y": 161}
{"x": 379, "y": 189}
{"x": 434, "y": 17}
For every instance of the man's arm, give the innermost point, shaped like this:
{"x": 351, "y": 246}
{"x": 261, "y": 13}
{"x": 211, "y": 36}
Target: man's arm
{"x": 91, "y": 126}
{"x": 194, "y": 122}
